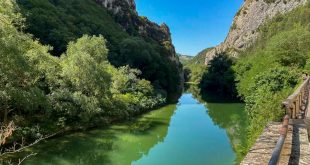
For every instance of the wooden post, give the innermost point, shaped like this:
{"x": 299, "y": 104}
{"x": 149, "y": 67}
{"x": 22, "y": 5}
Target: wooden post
{"x": 300, "y": 101}
{"x": 294, "y": 110}
{"x": 298, "y": 106}
{"x": 291, "y": 109}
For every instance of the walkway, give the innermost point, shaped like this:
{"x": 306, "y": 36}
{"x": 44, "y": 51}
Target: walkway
{"x": 296, "y": 147}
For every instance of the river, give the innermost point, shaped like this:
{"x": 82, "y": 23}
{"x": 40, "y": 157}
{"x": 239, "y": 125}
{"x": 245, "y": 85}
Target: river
{"x": 191, "y": 132}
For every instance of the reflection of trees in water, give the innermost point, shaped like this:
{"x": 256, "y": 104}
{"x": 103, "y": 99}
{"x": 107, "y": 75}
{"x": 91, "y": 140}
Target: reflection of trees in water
{"x": 229, "y": 115}
{"x": 118, "y": 145}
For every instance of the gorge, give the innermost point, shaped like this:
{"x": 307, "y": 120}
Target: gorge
{"x": 93, "y": 82}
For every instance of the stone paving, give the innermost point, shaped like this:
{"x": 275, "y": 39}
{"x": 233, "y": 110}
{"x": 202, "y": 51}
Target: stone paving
{"x": 296, "y": 149}
{"x": 262, "y": 150}
{"x": 304, "y": 145}
{"x": 300, "y": 146}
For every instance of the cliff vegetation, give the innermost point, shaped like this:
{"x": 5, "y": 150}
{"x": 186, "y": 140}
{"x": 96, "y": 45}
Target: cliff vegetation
{"x": 267, "y": 72}
{"x": 67, "y": 65}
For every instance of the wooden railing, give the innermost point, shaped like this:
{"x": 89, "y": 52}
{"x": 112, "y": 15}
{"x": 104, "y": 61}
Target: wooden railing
{"x": 296, "y": 108}
{"x": 296, "y": 104}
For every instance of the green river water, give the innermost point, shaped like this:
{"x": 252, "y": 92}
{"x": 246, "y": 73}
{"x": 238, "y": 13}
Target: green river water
{"x": 191, "y": 132}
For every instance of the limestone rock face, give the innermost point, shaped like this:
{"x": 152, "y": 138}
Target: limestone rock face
{"x": 249, "y": 18}
{"x": 124, "y": 12}
{"x": 118, "y": 6}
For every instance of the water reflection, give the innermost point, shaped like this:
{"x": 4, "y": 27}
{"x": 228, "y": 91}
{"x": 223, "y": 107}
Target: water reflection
{"x": 118, "y": 145}
{"x": 229, "y": 115}
{"x": 195, "y": 131}
{"x": 234, "y": 120}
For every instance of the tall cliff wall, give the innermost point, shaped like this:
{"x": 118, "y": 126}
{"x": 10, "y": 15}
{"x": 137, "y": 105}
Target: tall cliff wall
{"x": 250, "y": 17}
{"x": 125, "y": 14}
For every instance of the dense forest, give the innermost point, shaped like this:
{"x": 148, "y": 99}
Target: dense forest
{"x": 56, "y": 23}
{"x": 62, "y": 71}
{"x": 266, "y": 73}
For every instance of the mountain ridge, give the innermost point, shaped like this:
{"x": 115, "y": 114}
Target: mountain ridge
{"x": 244, "y": 30}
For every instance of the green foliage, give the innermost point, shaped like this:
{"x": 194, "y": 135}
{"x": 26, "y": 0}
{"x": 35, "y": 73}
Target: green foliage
{"x": 219, "y": 77}
{"x": 267, "y": 84}
{"x": 84, "y": 66}
{"x": 21, "y": 84}
{"x": 195, "y": 68}
{"x": 58, "y": 22}
{"x": 91, "y": 88}
{"x": 271, "y": 69}
{"x": 43, "y": 93}
{"x": 151, "y": 60}
{"x": 84, "y": 79}
{"x": 184, "y": 59}
{"x": 263, "y": 104}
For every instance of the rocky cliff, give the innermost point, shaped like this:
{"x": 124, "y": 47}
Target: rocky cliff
{"x": 118, "y": 6}
{"x": 249, "y": 18}
{"x": 132, "y": 40}
{"x": 124, "y": 12}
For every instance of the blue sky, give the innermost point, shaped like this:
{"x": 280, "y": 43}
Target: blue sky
{"x": 196, "y": 24}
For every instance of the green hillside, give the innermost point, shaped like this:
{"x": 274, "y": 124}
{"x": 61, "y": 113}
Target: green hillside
{"x": 184, "y": 59}
{"x": 76, "y": 84}
{"x": 266, "y": 73}
{"x": 57, "y": 22}
{"x": 194, "y": 69}
{"x": 269, "y": 71}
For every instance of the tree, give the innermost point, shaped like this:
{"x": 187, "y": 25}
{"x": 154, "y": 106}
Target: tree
{"x": 20, "y": 84}
{"x": 85, "y": 81}
{"x": 219, "y": 77}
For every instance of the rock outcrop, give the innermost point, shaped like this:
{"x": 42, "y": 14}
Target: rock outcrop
{"x": 250, "y": 17}
{"x": 118, "y": 6}
{"x": 125, "y": 14}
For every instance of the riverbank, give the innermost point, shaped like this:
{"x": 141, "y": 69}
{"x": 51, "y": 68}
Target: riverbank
{"x": 153, "y": 138}
{"x": 19, "y": 144}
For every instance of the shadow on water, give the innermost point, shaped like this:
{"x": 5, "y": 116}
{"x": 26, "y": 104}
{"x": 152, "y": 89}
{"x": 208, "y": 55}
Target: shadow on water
{"x": 208, "y": 96}
{"x": 120, "y": 144}
{"x": 228, "y": 114}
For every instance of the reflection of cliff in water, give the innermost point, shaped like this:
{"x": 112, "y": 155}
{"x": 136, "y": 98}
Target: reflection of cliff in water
{"x": 118, "y": 145}
{"x": 229, "y": 115}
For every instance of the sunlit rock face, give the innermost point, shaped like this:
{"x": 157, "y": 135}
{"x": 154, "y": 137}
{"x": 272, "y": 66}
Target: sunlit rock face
{"x": 117, "y": 6}
{"x": 124, "y": 12}
{"x": 249, "y": 18}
